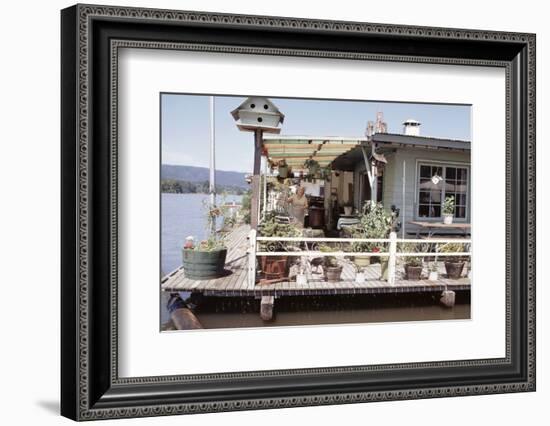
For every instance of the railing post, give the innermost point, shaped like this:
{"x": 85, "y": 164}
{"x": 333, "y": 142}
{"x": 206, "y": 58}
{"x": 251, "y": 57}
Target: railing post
{"x": 392, "y": 259}
{"x": 252, "y": 258}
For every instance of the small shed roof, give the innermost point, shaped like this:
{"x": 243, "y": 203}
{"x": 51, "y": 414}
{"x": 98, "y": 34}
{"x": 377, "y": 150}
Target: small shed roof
{"x": 295, "y": 150}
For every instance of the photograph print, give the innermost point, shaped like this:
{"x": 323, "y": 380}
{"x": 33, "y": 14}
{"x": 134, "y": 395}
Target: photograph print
{"x": 281, "y": 212}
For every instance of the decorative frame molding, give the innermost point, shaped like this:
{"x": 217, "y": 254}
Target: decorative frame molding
{"x": 91, "y": 37}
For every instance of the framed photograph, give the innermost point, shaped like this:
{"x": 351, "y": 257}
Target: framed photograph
{"x": 263, "y": 212}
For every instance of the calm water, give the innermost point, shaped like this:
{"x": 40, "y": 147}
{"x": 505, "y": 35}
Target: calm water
{"x": 183, "y": 215}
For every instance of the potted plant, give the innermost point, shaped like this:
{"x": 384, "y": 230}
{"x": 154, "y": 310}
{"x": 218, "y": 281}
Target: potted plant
{"x": 360, "y": 247}
{"x": 377, "y": 222}
{"x": 312, "y": 166}
{"x": 348, "y": 208}
{"x": 275, "y": 267}
{"x": 331, "y": 266}
{"x": 413, "y": 264}
{"x": 432, "y": 271}
{"x": 454, "y": 264}
{"x": 448, "y": 209}
{"x": 283, "y": 169}
{"x": 206, "y": 260}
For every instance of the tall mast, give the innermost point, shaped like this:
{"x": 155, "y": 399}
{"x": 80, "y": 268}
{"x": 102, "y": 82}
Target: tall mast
{"x": 212, "y": 180}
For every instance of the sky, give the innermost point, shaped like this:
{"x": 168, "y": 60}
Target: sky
{"x": 185, "y": 125}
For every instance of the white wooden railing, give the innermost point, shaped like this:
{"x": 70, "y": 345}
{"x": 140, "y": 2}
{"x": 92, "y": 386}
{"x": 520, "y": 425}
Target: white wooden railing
{"x": 392, "y": 252}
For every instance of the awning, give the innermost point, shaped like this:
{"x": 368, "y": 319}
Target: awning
{"x": 295, "y": 150}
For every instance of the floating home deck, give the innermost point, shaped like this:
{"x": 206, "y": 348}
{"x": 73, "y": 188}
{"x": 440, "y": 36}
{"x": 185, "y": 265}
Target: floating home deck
{"x": 235, "y": 283}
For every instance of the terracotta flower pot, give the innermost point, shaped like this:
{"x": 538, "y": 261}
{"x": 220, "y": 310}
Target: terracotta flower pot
{"x": 454, "y": 269}
{"x": 274, "y": 267}
{"x": 333, "y": 273}
{"x": 413, "y": 272}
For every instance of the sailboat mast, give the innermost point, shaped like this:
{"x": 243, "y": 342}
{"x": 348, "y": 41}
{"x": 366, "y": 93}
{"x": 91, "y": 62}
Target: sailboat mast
{"x": 212, "y": 180}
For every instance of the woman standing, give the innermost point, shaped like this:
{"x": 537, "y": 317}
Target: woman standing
{"x": 299, "y": 206}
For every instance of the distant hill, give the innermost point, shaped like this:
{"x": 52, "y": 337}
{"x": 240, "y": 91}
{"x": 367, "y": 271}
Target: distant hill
{"x": 201, "y": 174}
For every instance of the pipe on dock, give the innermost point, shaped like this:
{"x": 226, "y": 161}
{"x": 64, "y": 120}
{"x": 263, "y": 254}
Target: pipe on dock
{"x": 182, "y": 317}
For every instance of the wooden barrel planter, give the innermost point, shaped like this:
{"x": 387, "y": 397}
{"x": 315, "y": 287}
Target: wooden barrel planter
{"x": 274, "y": 267}
{"x": 454, "y": 269}
{"x": 203, "y": 265}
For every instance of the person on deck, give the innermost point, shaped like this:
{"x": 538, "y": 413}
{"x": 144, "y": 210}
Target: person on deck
{"x": 298, "y": 206}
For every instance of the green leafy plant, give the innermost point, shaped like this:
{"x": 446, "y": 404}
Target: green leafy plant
{"x": 215, "y": 240}
{"x": 270, "y": 226}
{"x": 312, "y": 166}
{"x": 411, "y": 248}
{"x": 449, "y": 205}
{"x": 329, "y": 261}
{"x": 454, "y": 248}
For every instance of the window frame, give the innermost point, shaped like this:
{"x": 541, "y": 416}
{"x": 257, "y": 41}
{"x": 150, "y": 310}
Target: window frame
{"x": 443, "y": 164}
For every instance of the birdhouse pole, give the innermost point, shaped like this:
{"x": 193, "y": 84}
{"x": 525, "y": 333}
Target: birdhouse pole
{"x": 257, "y": 114}
{"x": 255, "y": 200}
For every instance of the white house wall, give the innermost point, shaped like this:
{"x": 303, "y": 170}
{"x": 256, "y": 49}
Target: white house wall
{"x": 393, "y": 186}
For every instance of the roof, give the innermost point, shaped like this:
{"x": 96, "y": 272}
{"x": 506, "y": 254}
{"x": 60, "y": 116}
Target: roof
{"x": 295, "y": 150}
{"x": 396, "y": 139}
{"x": 348, "y": 160}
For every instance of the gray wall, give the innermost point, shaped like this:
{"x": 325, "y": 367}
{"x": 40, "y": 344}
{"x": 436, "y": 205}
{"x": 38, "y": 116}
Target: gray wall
{"x": 393, "y": 175}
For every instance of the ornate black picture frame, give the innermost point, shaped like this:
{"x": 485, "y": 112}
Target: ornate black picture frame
{"x": 91, "y": 388}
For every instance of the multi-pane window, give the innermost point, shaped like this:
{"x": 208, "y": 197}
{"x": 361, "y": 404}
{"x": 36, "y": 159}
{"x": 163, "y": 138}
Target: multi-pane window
{"x": 436, "y": 182}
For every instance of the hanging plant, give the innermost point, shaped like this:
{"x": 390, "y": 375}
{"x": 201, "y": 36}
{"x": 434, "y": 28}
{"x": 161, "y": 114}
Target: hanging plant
{"x": 324, "y": 172}
{"x": 312, "y": 166}
{"x": 284, "y": 170}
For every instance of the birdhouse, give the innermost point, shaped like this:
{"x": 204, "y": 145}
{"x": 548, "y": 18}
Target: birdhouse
{"x": 258, "y": 113}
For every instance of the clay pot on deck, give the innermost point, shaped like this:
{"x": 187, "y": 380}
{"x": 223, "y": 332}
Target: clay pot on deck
{"x": 454, "y": 269}
{"x": 413, "y": 272}
{"x": 203, "y": 265}
{"x": 274, "y": 267}
{"x": 333, "y": 273}
{"x": 447, "y": 218}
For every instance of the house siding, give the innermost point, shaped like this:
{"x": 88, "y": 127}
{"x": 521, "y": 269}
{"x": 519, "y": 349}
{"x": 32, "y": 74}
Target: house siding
{"x": 393, "y": 179}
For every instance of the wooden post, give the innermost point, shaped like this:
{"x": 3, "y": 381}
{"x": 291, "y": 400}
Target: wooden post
{"x": 448, "y": 298}
{"x": 266, "y": 307}
{"x": 252, "y": 259}
{"x": 255, "y": 199}
{"x": 392, "y": 259}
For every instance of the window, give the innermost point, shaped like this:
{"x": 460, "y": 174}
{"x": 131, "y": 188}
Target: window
{"x": 436, "y": 182}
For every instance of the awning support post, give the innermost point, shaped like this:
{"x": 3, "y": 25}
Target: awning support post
{"x": 370, "y": 166}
